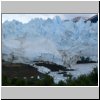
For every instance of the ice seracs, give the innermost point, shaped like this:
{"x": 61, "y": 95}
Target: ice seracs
{"x": 45, "y": 39}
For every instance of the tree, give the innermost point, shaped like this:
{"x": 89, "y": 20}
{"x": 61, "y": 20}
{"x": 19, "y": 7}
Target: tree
{"x": 48, "y": 81}
{"x": 61, "y": 83}
{"x": 83, "y": 59}
{"x": 87, "y": 59}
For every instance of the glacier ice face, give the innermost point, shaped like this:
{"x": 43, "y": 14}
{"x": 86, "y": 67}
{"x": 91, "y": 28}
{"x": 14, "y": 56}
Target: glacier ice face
{"x": 52, "y": 39}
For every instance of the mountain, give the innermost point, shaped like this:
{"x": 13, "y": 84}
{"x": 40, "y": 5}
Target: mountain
{"x": 54, "y": 40}
{"x": 93, "y": 19}
{"x": 76, "y": 19}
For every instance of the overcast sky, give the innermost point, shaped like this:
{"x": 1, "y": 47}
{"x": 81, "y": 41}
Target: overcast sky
{"x": 24, "y": 18}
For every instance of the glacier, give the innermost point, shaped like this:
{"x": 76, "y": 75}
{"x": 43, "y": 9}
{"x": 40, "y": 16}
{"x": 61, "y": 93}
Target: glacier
{"x": 55, "y": 40}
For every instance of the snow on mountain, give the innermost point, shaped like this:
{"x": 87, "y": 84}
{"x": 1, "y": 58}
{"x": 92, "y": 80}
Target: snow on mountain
{"x": 52, "y": 39}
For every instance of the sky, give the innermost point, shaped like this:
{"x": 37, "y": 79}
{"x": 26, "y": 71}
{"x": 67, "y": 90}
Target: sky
{"x": 24, "y": 18}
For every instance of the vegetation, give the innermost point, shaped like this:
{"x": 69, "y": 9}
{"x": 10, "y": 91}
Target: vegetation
{"x": 83, "y": 80}
{"x": 46, "y": 81}
{"x": 85, "y": 60}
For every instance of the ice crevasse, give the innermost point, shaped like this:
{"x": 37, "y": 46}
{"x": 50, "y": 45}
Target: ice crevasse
{"x": 54, "y": 40}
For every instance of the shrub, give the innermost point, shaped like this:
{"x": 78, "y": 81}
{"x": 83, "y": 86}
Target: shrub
{"x": 85, "y": 80}
{"x": 5, "y": 81}
{"x": 61, "y": 83}
{"x": 48, "y": 81}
